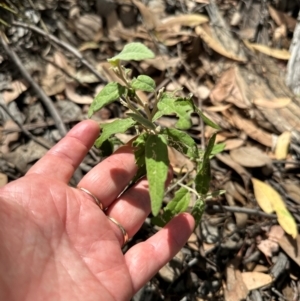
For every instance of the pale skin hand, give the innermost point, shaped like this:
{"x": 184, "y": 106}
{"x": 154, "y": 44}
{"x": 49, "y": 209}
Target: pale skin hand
{"x": 56, "y": 243}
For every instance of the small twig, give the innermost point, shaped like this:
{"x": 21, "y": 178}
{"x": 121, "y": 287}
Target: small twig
{"x": 235, "y": 209}
{"x": 64, "y": 45}
{"x": 43, "y": 97}
{"x": 24, "y": 130}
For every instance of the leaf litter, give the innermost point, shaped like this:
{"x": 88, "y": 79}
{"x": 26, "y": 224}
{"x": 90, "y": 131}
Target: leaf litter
{"x": 238, "y": 81}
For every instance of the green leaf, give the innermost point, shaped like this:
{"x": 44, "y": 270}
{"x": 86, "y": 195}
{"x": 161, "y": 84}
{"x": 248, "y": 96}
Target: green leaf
{"x": 142, "y": 120}
{"x": 218, "y": 148}
{"x": 203, "y": 176}
{"x": 179, "y": 204}
{"x": 143, "y": 83}
{"x": 139, "y": 154}
{"x": 182, "y": 142}
{"x": 197, "y": 211}
{"x": 157, "y": 164}
{"x": 117, "y": 126}
{"x": 181, "y": 107}
{"x": 107, "y": 95}
{"x": 133, "y": 52}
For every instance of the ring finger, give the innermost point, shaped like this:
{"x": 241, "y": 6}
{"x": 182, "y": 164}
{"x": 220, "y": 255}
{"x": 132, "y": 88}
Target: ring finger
{"x": 132, "y": 208}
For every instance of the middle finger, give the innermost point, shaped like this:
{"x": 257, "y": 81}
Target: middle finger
{"x": 109, "y": 178}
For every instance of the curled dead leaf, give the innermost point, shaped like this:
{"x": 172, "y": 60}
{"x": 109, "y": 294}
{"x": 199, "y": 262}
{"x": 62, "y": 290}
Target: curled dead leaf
{"x": 281, "y": 54}
{"x": 216, "y": 46}
{"x": 75, "y": 97}
{"x": 276, "y": 103}
{"x": 150, "y": 19}
{"x": 190, "y": 20}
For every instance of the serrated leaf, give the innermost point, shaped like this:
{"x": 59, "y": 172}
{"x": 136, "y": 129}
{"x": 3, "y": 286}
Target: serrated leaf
{"x": 142, "y": 120}
{"x": 110, "y": 93}
{"x": 134, "y": 52}
{"x": 143, "y": 83}
{"x": 270, "y": 200}
{"x": 157, "y": 164}
{"x": 181, "y": 107}
{"x": 182, "y": 142}
{"x": 117, "y": 126}
{"x": 197, "y": 211}
{"x": 202, "y": 179}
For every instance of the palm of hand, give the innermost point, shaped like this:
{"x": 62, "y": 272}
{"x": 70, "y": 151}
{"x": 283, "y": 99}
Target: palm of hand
{"x": 56, "y": 243}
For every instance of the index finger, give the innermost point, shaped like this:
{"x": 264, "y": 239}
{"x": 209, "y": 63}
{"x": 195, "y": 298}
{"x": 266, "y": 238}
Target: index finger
{"x": 61, "y": 161}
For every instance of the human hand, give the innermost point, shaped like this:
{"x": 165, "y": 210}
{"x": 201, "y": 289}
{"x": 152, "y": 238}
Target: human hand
{"x": 56, "y": 243}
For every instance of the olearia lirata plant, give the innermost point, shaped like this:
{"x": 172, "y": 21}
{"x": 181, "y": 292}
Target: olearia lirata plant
{"x": 152, "y": 141}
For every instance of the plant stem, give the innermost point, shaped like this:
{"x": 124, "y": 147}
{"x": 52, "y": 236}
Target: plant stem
{"x": 157, "y": 98}
{"x": 191, "y": 190}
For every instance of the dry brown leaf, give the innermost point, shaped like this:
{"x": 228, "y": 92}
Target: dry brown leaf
{"x": 75, "y": 97}
{"x": 281, "y": 18}
{"x": 190, "y": 20}
{"x": 293, "y": 190}
{"x": 281, "y": 54}
{"x": 255, "y": 280}
{"x": 233, "y": 143}
{"x": 276, "y": 103}
{"x": 173, "y": 38}
{"x": 54, "y": 80}
{"x": 16, "y": 88}
{"x": 230, "y": 88}
{"x": 105, "y": 70}
{"x": 216, "y": 46}
{"x": 219, "y": 108}
{"x": 291, "y": 247}
{"x": 179, "y": 162}
{"x": 149, "y": 18}
{"x": 89, "y": 27}
{"x": 161, "y": 62}
{"x": 3, "y": 179}
{"x": 240, "y": 218}
{"x": 88, "y": 45}
{"x": 270, "y": 245}
{"x": 235, "y": 289}
{"x": 261, "y": 268}
{"x": 8, "y": 138}
{"x": 250, "y": 156}
{"x": 282, "y": 145}
{"x": 249, "y": 127}
{"x": 226, "y": 159}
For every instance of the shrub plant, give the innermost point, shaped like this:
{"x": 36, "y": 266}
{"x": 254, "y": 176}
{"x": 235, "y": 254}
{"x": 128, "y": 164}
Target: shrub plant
{"x": 152, "y": 141}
